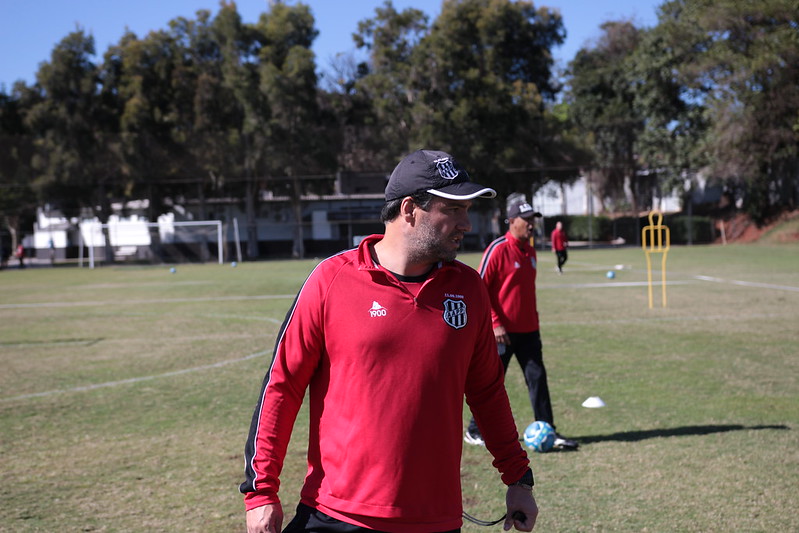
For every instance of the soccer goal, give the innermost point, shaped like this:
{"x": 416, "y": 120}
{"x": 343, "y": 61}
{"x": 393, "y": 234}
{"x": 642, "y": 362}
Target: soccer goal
{"x": 165, "y": 241}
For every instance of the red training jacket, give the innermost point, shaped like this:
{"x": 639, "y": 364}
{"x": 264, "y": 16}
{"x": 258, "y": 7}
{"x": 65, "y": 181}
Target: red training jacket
{"x": 509, "y": 268}
{"x": 387, "y": 373}
{"x": 559, "y": 240}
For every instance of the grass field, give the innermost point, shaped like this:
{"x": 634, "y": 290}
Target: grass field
{"x": 126, "y": 394}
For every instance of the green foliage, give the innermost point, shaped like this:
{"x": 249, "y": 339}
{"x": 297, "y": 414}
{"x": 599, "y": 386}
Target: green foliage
{"x": 674, "y": 117}
{"x": 17, "y": 198}
{"x": 693, "y": 229}
{"x": 288, "y": 86}
{"x": 215, "y": 106}
{"x": 474, "y": 83}
{"x": 701, "y": 229}
{"x": 743, "y": 60}
{"x": 602, "y": 102}
{"x": 628, "y": 228}
{"x": 72, "y": 128}
{"x": 385, "y": 102}
{"x": 582, "y": 228}
{"x": 488, "y": 63}
{"x": 710, "y": 89}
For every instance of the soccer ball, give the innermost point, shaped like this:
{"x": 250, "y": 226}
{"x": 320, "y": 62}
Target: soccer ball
{"x": 611, "y": 274}
{"x": 540, "y": 436}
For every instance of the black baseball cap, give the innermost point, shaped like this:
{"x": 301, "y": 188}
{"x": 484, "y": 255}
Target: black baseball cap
{"x": 435, "y": 172}
{"x": 522, "y": 209}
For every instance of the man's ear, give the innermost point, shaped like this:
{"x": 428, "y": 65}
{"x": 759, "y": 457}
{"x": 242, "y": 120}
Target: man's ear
{"x": 406, "y": 208}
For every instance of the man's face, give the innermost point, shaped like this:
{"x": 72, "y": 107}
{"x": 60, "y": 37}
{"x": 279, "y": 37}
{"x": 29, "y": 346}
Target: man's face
{"x": 522, "y": 228}
{"x": 438, "y": 232}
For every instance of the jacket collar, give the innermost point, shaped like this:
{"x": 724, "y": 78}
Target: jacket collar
{"x": 524, "y": 245}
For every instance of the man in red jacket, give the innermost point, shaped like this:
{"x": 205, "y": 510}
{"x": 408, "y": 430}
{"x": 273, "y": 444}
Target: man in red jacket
{"x": 388, "y": 339}
{"x": 560, "y": 243}
{"x": 508, "y": 268}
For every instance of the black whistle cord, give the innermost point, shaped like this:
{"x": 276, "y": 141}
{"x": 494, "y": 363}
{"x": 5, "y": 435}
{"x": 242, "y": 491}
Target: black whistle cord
{"x": 517, "y": 515}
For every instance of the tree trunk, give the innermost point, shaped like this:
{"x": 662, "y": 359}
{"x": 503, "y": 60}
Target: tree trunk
{"x": 298, "y": 250}
{"x": 252, "y": 225}
{"x": 103, "y": 215}
{"x": 203, "y": 216}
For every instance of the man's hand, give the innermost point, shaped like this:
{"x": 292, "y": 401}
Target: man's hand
{"x": 520, "y": 501}
{"x": 501, "y": 335}
{"x": 265, "y": 519}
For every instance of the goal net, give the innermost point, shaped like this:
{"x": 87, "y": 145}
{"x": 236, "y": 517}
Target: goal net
{"x": 165, "y": 241}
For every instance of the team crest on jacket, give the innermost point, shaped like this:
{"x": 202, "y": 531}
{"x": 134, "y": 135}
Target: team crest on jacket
{"x": 455, "y": 313}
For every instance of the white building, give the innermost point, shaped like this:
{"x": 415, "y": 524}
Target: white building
{"x": 555, "y": 199}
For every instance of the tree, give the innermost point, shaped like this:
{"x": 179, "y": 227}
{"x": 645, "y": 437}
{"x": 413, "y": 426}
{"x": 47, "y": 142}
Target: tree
{"x": 173, "y": 112}
{"x": 17, "y": 199}
{"x": 206, "y": 113}
{"x": 137, "y": 75}
{"x": 675, "y": 119}
{"x": 246, "y": 142}
{"x": 288, "y": 84}
{"x": 74, "y": 131}
{"x": 386, "y": 89}
{"x": 601, "y": 97}
{"x": 487, "y": 76}
{"x": 475, "y": 83}
{"x": 745, "y": 58}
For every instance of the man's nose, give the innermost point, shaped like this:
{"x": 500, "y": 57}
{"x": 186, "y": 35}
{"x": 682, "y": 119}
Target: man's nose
{"x": 465, "y": 223}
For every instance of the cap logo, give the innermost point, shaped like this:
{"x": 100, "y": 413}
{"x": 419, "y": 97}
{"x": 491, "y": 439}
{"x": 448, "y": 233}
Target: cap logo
{"x": 446, "y": 169}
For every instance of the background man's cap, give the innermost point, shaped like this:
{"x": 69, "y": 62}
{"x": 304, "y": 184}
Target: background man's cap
{"x": 522, "y": 209}
{"x": 435, "y": 172}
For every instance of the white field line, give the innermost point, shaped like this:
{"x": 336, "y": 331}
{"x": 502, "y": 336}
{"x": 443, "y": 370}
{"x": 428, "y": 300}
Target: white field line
{"x": 709, "y": 318}
{"x": 65, "y": 342}
{"x": 135, "y": 380}
{"x": 595, "y": 266}
{"x": 608, "y": 284}
{"x": 241, "y": 317}
{"x": 151, "y": 301}
{"x": 749, "y": 283}
{"x": 129, "y": 341}
{"x": 137, "y": 285}
{"x": 600, "y": 285}
{"x": 587, "y": 266}
{"x": 206, "y": 315}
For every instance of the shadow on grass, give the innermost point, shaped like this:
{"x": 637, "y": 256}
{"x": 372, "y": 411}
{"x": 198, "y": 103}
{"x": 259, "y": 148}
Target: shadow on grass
{"x": 685, "y": 431}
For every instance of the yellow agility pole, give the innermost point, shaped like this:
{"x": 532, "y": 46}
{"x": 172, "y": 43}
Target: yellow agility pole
{"x": 655, "y": 238}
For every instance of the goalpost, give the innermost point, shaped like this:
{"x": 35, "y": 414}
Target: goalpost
{"x": 165, "y": 241}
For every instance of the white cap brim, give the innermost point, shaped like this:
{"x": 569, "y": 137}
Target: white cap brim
{"x": 485, "y": 192}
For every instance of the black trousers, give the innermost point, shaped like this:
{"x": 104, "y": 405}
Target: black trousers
{"x": 529, "y": 352}
{"x": 310, "y": 520}
{"x": 563, "y": 255}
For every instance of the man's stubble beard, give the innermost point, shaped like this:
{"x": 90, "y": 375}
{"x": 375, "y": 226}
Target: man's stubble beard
{"x": 429, "y": 246}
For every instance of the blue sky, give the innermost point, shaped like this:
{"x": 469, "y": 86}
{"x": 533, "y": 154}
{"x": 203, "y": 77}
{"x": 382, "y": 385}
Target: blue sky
{"x": 29, "y": 29}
